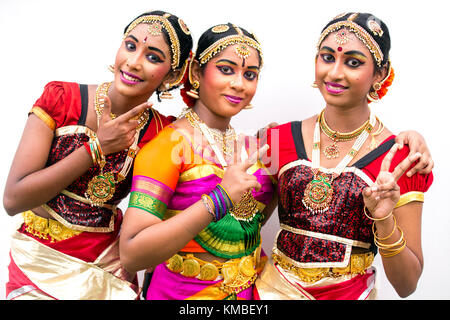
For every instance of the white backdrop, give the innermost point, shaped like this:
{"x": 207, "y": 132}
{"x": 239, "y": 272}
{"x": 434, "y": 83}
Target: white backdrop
{"x": 76, "y": 41}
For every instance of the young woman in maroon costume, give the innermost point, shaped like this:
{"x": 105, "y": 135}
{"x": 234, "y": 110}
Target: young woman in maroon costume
{"x": 343, "y": 192}
{"x": 72, "y": 168}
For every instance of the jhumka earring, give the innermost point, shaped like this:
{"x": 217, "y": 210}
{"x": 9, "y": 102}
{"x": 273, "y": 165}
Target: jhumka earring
{"x": 193, "y": 92}
{"x": 373, "y": 95}
{"x": 166, "y": 94}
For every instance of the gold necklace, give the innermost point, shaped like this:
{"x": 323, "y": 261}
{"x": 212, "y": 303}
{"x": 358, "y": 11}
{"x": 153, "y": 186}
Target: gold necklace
{"x": 224, "y": 140}
{"x": 102, "y": 187}
{"x": 332, "y": 151}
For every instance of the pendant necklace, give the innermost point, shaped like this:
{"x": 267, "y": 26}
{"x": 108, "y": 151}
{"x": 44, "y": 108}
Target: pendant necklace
{"x": 102, "y": 187}
{"x": 319, "y": 191}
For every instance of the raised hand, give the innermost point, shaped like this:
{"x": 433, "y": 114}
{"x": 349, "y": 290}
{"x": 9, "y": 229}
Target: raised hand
{"x": 381, "y": 198}
{"x": 236, "y": 179}
{"x": 118, "y": 134}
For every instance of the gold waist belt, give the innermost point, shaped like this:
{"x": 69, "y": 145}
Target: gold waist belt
{"x": 238, "y": 274}
{"x": 47, "y": 229}
{"x": 358, "y": 264}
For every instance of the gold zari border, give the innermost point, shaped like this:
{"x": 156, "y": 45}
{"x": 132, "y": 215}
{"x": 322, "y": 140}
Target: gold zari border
{"x": 410, "y": 197}
{"x": 44, "y": 116}
{"x": 68, "y": 278}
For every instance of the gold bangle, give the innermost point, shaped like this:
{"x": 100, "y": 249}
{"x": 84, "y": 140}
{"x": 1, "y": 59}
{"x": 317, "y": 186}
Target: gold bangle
{"x": 393, "y": 230}
{"x": 389, "y": 247}
{"x": 377, "y": 219}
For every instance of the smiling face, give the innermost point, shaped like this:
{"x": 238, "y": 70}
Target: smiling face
{"x": 142, "y": 63}
{"x": 345, "y": 70}
{"x": 228, "y": 82}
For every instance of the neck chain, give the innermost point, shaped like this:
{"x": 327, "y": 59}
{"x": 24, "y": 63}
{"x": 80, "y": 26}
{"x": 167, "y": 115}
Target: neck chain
{"x": 332, "y": 151}
{"x": 102, "y": 187}
{"x": 221, "y": 143}
{"x": 319, "y": 192}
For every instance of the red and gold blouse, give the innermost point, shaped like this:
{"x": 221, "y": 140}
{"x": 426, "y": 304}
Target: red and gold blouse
{"x": 326, "y": 239}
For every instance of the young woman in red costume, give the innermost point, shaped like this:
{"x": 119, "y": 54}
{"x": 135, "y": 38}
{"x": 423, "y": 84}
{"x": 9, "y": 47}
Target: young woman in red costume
{"x": 72, "y": 167}
{"x": 343, "y": 192}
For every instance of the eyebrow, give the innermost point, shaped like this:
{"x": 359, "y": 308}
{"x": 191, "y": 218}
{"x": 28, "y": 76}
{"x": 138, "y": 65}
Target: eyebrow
{"x": 235, "y": 64}
{"x": 149, "y": 47}
{"x": 355, "y": 53}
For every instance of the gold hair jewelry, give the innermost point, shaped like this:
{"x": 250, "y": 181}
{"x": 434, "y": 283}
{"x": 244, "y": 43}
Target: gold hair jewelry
{"x": 341, "y": 36}
{"x": 242, "y": 51}
{"x": 221, "y": 28}
{"x": 184, "y": 27}
{"x": 360, "y": 33}
{"x": 156, "y": 23}
{"x": 375, "y": 27}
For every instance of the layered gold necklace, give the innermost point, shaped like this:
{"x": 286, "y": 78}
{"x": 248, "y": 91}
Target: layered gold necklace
{"x": 102, "y": 187}
{"x": 332, "y": 151}
{"x": 222, "y": 143}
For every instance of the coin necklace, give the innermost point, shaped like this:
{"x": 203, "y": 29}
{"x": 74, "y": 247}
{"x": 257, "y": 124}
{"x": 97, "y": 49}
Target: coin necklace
{"x": 102, "y": 187}
{"x": 319, "y": 191}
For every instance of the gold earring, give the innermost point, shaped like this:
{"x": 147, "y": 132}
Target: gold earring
{"x": 166, "y": 94}
{"x": 373, "y": 95}
{"x": 248, "y": 107}
{"x": 112, "y": 68}
{"x": 193, "y": 92}
{"x": 314, "y": 84}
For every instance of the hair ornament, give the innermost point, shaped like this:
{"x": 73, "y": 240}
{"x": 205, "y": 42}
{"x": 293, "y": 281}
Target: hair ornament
{"x": 375, "y": 27}
{"x": 155, "y": 28}
{"x": 360, "y": 33}
{"x": 156, "y": 24}
{"x": 221, "y": 28}
{"x": 184, "y": 27}
{"x": 341, "y": 37}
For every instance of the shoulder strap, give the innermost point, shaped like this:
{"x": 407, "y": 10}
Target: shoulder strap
{"x": 84, "y": 104}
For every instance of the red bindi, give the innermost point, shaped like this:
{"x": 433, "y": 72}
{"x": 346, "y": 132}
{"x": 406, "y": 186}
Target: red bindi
{"x": 339, "y": 49}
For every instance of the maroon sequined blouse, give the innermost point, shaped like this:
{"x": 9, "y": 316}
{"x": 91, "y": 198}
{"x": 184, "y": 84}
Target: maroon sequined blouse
{"x": 326, "y": 239}
{"x": 66, "y": 104}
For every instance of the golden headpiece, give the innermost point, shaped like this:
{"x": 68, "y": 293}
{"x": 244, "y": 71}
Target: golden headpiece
{"x": 361, "y": 32}
{"x": 156, "y": 24}
{"x": 243, "y": 50}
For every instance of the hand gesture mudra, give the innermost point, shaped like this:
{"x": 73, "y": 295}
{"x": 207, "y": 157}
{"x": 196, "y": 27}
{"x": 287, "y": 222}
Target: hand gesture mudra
{"x": 381, "y": 198}
{"x": 237, "y": 181}
{"x": 118, "y": 134}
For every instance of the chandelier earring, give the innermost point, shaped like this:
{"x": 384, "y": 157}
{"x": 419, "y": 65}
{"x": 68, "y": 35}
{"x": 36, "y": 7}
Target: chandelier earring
{"x": 373, "y": 94}
{"x": 166, "y": 94}
{"x": 193, "y": 93}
